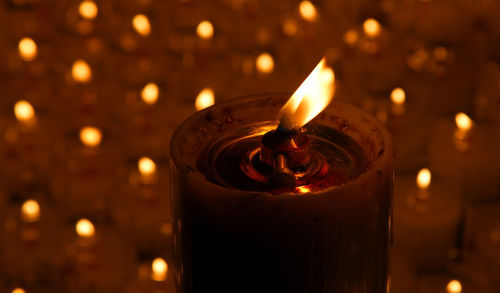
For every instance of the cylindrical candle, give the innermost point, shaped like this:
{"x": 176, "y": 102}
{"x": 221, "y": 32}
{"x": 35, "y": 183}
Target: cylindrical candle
{"x": 240, "y": 237}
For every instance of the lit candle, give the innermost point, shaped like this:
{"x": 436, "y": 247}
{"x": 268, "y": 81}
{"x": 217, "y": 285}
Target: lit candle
{"x": 90, "y": 136}
{"x": 423, "y": 182}
{"x": 159, "y": 269}
{"x": 85, "y": 229}
{"x": 464, "y": 125}
{"x": 88, "y": 9}
{"x": 30, "y": 211}
{"x": 80, "y": 71}
{"x": 308, "y": 11}
{"x": 24, "y": 112}
{"x": 205, "y": 30}
{"x": 141, "y": 24}
{"x": 147, "y": 170}
{"x": 204, "y": 99}
{"x": 149, "y": 93}
{"x": 454, "y": 286}
{"x": 372, "y": 28}
{"x": 265, "y": 63}
{"x": 18, "y": 290}
{"x": 398, "y": 97}
{"x": 27, "y": 49}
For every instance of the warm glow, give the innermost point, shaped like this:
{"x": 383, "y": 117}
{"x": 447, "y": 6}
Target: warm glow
{"x": 424, "y": 178}
{"x": 307, "y": 10}
{"x": 463, "y": 121}
{"x": 149, "y": 93}
{"x": 398, "y": 96}
{"x": 18, "y": 290}
{"x": 88, "y": 9}
{"x": 24, "y": 112}
{"x": 90, "y": 136}
{"x": 205, "y": 29}
{"x": 159, "y": 269}
{"x": 204, "y": 99}
{"x": 289, "y": 27}
{"x": 141, "y": 24}
{"x": 351, "y": 37}
{"x": 265, "y": 63}
{"x": 146, "y": 166}
{"x": 371, "y": 27}
{"x": 30, "y": 211}
{"x": 303, "y": 189}
{"x": 81, "y": 71}
{"x": 313, "y": 95}
{"x": 85, "y": 228}
{"x": 27, "y": 49}
{"x": 454, "y": 286}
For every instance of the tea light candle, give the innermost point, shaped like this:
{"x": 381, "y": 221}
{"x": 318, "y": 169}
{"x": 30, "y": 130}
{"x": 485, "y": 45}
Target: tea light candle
{"x": 426, "y": 219}
{"x": 28, "y": 49}
{"x": 454, "y": 286}
{"x": 465, "y": 153}
{"x": 86, "y": 240}
{"x": 398, "y": 98}
{"x": 30, "y": 213}
{"x": 90, "y": 136}
{"x": 204, "y": 99}
{"x": 25, "y": 113}
{"x": 372, "y": 28}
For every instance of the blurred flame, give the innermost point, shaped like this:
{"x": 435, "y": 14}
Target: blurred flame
{"x": 289, "y": 27}
{"x": 463, "y": 121}
{"x": 371, "y": 27}
{"x": 27, "y": 49}
{"x": 30, "y": 211}
{"x": 205, "y": 29}
{"x": 303, "y": 189}
{"x": 204, "y": 99}
{"x": 90, "y": 136}
{"x": 149, "y": 93}
{"x": 424, "y": 178}
{"x": 88, "y": 9}
{"x": 313, "y": 95}
{"x": 24, "y": 112}
{"x": 18, "y": 290}
{"x": 398, "y": 96}
{"x": 141, "y": 24}
{"x": 454, "y": 286}
{"x": 159, "y": 269}
{"x": 146, "y": 166}
{"x": 307, "y": 11}
{"x": 265, "y": 63}
{"x": 85, "y": 228}
{"x": 350, "y": 37}
{"x": 81, "y": 71}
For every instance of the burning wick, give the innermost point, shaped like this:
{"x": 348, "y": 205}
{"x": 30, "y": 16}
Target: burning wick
{"x": 90, "y": 136}
{"x": 141, "y": 24}
{"x": 88, "y": 9}
{"x": 27, "y": 49}
{"x": 398, "y": 97}
{"x": 159, "y": 269}
{"x": 265, "y": 63}
{"x": 24, "y": 112}
{"x": 307, "y": 11}
{"x": 464, "y": 125}
{"x": 454, "y": 286}
{"x": 423, "y": 182}
{"x": 205, "y": 30}
{"x": 81, "y": 71}
{"x": 204, "y": 99}
{"x": 371, "y": 27}
{"x": 85, "y": 229}
{"x": 147, "y": 169}
{"x": 149, "y": 93}
{"x": 30, "y": 211}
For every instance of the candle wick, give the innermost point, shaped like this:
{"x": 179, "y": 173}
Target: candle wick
{"x": 282, "y": 177}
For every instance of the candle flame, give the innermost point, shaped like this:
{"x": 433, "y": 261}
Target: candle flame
{"x": 398, "y": 96}
{"x": 88, "y": 9}
{"x": 81, "y": 71}
{"x": 204, "y": 99}
{"x": 159, "y": 268}
{"x": 90, "y": 136}
{"x": 27, "y": 49}
{"x": 454, "y": 286}
{"x": 424, "y": 178}
{"x": 85, "y": 228}
{"x": 30, "y": 211}
{"x": 146, "y": 166}
{"x": 313, "y": 95}
{"x": 371, "y": 27}
{"x": 265, "y": 63}
{"x": 24, "y": 112}
{"x": 149, "y": 93}
{"x": 18, "y": 290}
{"x": 463, "y": 121}
{"x": 307, "y": 11}
{"x": 303, "y": 189}
{"x": 141, "y": 24}
{"x": 205, "y": 30}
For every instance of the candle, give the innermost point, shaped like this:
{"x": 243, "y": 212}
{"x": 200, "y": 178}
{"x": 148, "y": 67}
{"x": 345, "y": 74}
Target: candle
{"x": 372, "y": 28}
{"x": 141, "y": 24}
{"x": 147, "y": 170}
{"x": 427, "y": 219}
{"x": 205, "y": 30}
{"x": 24, "y": 112}
{"x": 307, "y": 11}
{"x": 85, "y": 229}
{"x": 90, "y": 136}
{"x": 204, "y": 99}
{"x": 88, "y": 9}
{"x": 30, "y": 211}
{"x": 149, "y": 93}
{"x": 454, "y": 286}
{"x": 398, "y": 97}
{"x": 278, "y": 226}
{"x": 265, "y": 63}
{"x": 159, "y": 270}
{"x": 81, "y": 72}
{"x": 27, "y": 49}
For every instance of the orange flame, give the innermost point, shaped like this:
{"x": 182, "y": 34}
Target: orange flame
{"x": 313, "y": 95}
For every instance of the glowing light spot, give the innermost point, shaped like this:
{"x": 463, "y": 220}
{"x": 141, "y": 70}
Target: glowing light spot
{"x": 159, "y": 269}
{"x": 27, "y": 49}
{"x": 18, "y": 290}
{"x": 85, "y": 228}
{"x": 204, "y": 99}
{"x": 398, "y": 96}
{"x": 81, "y": 71}
{"x": 88, "y": 9}
{"x": 463, "y": 121}
{"x": 265, "y": 63}
{"x": 146, "y": 166}
{"x": 90, "y": 136}
{"x": 440, "y": 53}
{"x": 454, "y": 286}
{"x": 351, "y": 37}
{"x": 307, "y": 11}
{"x": 205, "y": 30}
{"x": 289, "y": 27}
{"x": 303, "y": 189}
{"x": 424, "y": 178}
{"x": 141, "y": 24}
{"x": 24, "y": 112}
{"x": 149, "y": 93}
{"x": 371, "y": 27}
{"x": 30, "y": 211}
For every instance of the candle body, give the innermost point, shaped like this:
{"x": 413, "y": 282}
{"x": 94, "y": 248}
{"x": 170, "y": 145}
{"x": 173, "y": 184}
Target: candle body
{"x": 331, "y": 240}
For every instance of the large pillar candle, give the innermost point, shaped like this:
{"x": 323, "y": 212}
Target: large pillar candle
{"x": 231, "y": 234}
